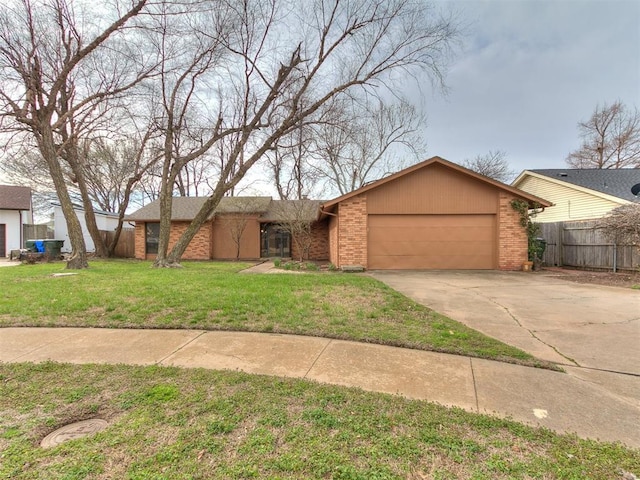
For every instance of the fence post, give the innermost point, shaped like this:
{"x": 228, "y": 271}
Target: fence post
{"x": 559, "y": 243}
{"x": 615, "y": 257}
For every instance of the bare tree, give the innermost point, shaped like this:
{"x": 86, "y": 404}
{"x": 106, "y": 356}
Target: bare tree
{"x": 493, "y": 165}
{"x": 54, "y": 79}
{"x": 622, "y": 224}
{"x": 610, "y": 139}
{"x": 291, "y": 164}
{"x": 297, "y": 218}
{"x": 367, "y": 139}
{"x": 262, "y": 83}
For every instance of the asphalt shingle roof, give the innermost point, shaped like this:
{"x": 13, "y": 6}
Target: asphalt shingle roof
{"x": 15, "y": 198}
{"x": 615, "y": 182}
{"x": 186, "y": 208}
{"x": 281, "y": 210}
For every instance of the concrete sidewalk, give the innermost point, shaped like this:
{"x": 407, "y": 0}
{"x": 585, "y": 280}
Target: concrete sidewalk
{"x": 561, "y": 402}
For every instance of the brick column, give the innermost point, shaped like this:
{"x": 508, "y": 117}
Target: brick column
{"x": 512, "y": 237}
{"x": 352, "y": 232}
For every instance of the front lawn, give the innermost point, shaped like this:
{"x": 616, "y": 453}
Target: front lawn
{"x": 172, "y": 424}
{"x": 213, "y": 296}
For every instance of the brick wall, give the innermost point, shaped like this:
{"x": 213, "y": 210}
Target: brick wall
{"x": 198, "y": 249}
{"x": 512, "y": 237}
{"x": 333, "y": 240}
{"x": 200, "y": 246}
{"x": 352, "y": 232}
{"x": 140, "y": 241}
{"x": 319, "y": 242}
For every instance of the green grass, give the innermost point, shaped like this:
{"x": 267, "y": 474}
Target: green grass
{"x": 213, "y": 296}
{"x": 169, "y": 423}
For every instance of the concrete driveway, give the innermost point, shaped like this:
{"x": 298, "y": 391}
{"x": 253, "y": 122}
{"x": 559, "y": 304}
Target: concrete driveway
{"x": 587, "y": 326}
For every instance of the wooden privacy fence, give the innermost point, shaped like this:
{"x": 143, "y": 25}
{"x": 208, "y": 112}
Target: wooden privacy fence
{"x": 582, "y": 245}
{"x": 36, "y": 232}
{"x": 126, "y": 243}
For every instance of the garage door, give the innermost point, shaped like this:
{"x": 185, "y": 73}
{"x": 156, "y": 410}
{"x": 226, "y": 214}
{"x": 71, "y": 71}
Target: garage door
{"x": 465, "y": 242}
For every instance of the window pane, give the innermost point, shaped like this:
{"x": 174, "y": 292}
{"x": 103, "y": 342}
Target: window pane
{"x": 152, "y": 237}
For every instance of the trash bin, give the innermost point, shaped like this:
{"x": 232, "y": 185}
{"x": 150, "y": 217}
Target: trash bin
{"x": 36, "y": 246}
{"x": 53, "y": 248}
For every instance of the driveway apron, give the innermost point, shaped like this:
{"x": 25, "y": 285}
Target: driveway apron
{"x": 588, "y": 326}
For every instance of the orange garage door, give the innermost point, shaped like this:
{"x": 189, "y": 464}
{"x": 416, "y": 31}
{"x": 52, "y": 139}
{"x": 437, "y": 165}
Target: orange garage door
{"x": 465, "y": 242}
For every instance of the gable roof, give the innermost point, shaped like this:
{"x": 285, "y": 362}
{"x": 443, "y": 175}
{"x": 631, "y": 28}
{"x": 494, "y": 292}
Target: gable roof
{"x": 610, "y": 182}
{"x": 186, "y": 208}
{"x": 15, "y": 198}
{"x": 532, "y": 199}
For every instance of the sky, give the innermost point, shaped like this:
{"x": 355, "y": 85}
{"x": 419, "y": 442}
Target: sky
{"x": 527, "y": 72}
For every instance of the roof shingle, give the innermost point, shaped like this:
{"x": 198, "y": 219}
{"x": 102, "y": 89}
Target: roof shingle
{"x": 615, "y": 182}
{"x": 15, "y": 198}
{"x": 186, "y": 208}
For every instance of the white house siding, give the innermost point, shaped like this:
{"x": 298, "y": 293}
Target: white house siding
{"x": 104, "y": 221}
{"x": 569, "y": 203}
{"x": 11, "y": 218}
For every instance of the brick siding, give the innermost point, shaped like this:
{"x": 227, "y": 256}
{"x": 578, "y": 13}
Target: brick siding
{"x": 512, "y": 237}
{"x": 319, "y": 249}
{"x": 140, "y": 241}
{"x": 198, "y": 249}
{"x": 352, "y": 232}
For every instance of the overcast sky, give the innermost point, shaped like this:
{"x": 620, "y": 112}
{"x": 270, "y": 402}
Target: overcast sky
{"x": 528, "y": 72}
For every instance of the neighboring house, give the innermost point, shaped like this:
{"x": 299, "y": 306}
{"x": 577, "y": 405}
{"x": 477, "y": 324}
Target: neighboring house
{"x": 253, "y": 222}
{"x": 105, "y": 220}
{"x": 433, "y": 215}
{"x": 15, "y": 211}
{"x": 579, "y": 194}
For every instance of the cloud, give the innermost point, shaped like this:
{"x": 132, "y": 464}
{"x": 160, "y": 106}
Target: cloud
{"x": 529, "y": 72}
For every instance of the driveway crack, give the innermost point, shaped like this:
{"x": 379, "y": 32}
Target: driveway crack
{"x": 531, "y": 332}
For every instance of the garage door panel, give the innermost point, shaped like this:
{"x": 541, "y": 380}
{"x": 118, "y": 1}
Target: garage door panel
{"x": 431, "y": 242}
{"x": 435, "y": 262}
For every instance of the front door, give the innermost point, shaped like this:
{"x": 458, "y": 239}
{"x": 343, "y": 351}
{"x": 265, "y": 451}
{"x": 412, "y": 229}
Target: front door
{"x": 274, "y": 241}
{"x": 3, "y": 240}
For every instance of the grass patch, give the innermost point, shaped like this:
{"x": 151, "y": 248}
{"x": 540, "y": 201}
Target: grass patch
{"x": 169, "y": 423}
{"x": 212, "y": 296}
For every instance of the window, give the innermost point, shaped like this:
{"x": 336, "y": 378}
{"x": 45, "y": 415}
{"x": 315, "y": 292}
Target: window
{"x": 152, "y": 235}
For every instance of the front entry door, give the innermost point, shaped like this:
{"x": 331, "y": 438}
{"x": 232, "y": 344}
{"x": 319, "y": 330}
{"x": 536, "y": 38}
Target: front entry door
{"x": 275, "y": 242}
{"x": 3, "y": 240}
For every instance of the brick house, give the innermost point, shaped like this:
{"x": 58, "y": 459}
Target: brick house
{"x": 247, "y": 228}
{"x": 433, "y": 215}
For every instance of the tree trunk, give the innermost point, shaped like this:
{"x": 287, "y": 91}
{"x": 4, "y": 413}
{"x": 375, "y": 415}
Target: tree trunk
{"x": 78, "y": 258}
{"x": 90, "y": 216}
{"x": 166, "y": 202}
{"x": 173, "y": 259}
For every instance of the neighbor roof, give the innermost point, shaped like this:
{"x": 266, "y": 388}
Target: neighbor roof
{"x": 186, "y": 208}
{"x": 532, "y": 199}
{"x": 616, "y": 182}
{"x": 15, "y": 198}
